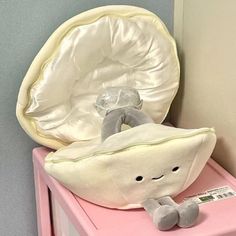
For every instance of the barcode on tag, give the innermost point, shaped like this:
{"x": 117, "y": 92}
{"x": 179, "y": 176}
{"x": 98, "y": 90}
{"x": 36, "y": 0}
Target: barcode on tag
{"x": 213, "y": 195}
{"x": 225, "y": 195}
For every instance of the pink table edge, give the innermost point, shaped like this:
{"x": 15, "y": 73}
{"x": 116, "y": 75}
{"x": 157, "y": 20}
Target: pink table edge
{"x": 43, "y": 182}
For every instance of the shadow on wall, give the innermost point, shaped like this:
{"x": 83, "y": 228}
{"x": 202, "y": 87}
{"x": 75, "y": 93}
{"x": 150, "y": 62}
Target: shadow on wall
{"x": 177, "y": 104}
{"x": 222, "y": 150}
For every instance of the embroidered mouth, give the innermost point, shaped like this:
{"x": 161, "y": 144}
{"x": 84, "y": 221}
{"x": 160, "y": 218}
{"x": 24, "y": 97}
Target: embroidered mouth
{"x": 156, "y": 178}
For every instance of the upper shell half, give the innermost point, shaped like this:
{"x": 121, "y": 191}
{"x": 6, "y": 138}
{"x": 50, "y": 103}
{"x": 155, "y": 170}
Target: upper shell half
{"x": 104, "y": 47}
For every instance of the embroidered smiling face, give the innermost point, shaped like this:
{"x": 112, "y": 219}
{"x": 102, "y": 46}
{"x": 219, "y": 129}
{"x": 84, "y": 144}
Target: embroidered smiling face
{"x": 152, "y": 172}
{"x": 141, "y": 178}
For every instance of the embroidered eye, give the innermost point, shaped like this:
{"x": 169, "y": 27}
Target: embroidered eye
{"x": 139, "y": 178}
{"x": 175, "y": 169}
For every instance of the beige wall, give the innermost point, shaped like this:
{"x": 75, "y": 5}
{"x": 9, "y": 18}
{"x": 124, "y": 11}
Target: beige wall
{"x": 206, "y": 36}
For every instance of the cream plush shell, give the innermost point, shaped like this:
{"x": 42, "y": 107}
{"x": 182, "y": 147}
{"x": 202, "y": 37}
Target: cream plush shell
{"x": 103, "y": 47}
{"x": 106, "y": 173}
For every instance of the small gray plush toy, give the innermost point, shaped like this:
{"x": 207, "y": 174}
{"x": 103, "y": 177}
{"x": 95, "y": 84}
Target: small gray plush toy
{"x": 121, "y": 105}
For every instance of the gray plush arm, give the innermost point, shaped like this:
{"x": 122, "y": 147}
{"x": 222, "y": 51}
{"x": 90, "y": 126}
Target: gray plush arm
{"x": 128, "y": 115}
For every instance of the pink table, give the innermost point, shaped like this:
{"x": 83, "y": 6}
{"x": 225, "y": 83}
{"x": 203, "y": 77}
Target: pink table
{"x": 216, "y": 218}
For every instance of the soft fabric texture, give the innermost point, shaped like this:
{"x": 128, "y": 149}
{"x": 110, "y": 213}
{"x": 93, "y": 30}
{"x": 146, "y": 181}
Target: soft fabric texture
{"x": 114, "y": 120}
{"x": 100, "y": 48}
{"x": 166, "y": 213}
{"x": 147, "y": 161}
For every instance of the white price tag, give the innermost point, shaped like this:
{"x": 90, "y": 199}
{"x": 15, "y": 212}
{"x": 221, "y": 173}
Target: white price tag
{"x": 213, "y": 195}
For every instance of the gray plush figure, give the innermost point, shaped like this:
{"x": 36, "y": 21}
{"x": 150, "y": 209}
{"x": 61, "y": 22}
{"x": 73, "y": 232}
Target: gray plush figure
{"x": 121, "y": 105}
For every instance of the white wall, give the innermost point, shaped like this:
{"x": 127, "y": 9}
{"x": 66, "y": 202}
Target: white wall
{"x": 24, "y": 27}
{"x": 206, "y": 33}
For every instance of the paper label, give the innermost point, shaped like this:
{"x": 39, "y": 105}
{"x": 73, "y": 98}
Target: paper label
{"x": 213, "y": 195}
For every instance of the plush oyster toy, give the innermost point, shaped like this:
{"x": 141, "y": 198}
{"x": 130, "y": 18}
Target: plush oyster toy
{"x": 143, "y": 166}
